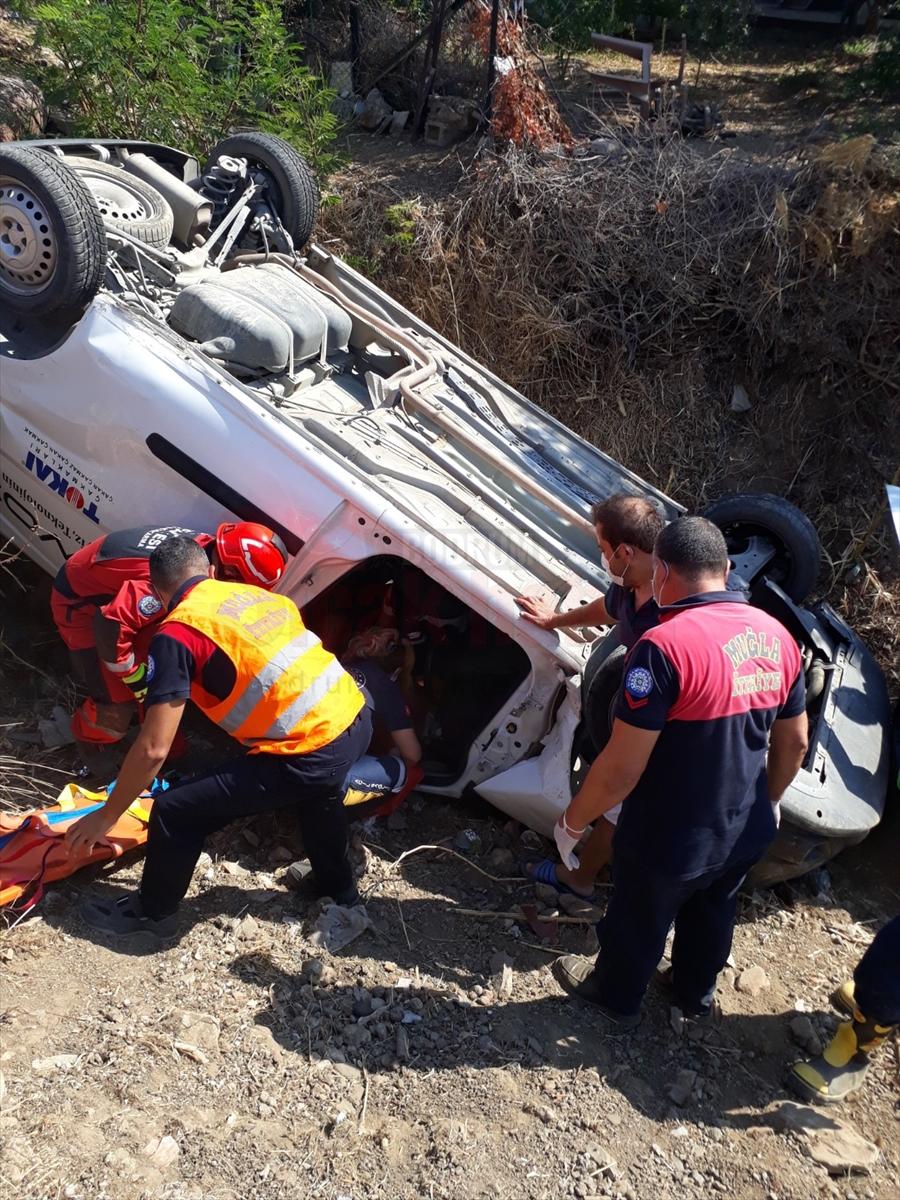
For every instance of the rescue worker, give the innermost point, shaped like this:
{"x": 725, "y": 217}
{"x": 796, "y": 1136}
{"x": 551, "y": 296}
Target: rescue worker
{"x": 626, "y": 528}
{"x": 705, "y": 693}
{"x": 106, "y": 612}
{"x": 872, "y": 1001}
{"x": 245, "y": 658}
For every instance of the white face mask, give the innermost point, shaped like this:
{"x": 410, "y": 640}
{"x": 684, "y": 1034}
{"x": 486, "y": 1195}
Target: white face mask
{"x": 619, "y": 579}
{"x": 658, "y": 598}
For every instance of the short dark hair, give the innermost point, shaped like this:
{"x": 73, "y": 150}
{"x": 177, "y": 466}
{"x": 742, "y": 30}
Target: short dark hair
{"x": 694, "y": 547}
{"x": 632, "y": 519}
{"x": 175, "y": 560}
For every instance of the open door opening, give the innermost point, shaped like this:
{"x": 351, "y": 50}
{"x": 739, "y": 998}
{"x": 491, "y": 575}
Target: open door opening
{"x": 465, "y": 668}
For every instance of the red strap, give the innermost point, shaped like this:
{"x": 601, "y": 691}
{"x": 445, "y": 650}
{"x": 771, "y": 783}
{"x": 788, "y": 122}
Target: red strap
{"x": 38, "y": 881}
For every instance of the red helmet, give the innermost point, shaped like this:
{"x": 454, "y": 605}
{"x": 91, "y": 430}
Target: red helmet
{"x": 254, "y": 551}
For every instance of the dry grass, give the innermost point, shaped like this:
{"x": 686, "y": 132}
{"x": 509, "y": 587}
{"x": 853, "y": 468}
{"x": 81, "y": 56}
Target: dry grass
{"x": 628, "y": 294}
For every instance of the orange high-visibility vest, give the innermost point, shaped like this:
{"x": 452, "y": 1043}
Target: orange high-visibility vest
{"x": 291, "y": 696}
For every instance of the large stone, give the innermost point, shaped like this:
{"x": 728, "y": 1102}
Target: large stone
{"x": 22, "y": 106}
{"x": 197, "y": 1028}
{"x": 503, "y": 860}
{"x": 842, "y": 1150}
{"x": 579, "y": 906}
{"x": 161, "y": 1152}
{"x": 546, "y": 894}
{"x": 828, "y": 1140}
{"x": 752, "y": 981}
{"x": 681, "y": 1089}
{"x": 262, "y": 1039}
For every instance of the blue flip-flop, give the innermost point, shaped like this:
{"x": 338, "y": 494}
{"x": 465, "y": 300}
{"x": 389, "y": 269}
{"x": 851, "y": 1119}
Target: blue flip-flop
{"x": 545, "y": 872}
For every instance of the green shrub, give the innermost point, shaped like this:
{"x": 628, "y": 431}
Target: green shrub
{"x": 178, "y": 72}
{"x": 709, "y": 24}
{"x": 876, "y": 67}
{"x": 401, "y": 221}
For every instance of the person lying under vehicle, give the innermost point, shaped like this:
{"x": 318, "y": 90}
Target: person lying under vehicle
{"x": 381, "y": 664}
{"x": 106, "y": 612}
{"x": 246, "y": 659}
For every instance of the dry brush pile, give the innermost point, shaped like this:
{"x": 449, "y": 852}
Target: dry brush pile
{"x": 630, "y": 290}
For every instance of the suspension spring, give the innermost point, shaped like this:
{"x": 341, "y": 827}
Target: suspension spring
{"x": 220, "y": 183}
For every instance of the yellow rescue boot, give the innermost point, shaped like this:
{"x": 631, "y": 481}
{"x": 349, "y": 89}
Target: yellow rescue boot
{"x": 842, "y": 1066}
{"x": 844, "y": 999}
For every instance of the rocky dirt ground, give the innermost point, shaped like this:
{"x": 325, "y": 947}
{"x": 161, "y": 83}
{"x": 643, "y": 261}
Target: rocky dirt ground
{"x": 435, "y": 1056}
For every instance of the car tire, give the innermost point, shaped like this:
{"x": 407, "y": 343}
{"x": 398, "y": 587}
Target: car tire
{"x": 52, "y": 241}
{"x": 600, "y": 690}
{"x": 798, "y": 553}
{"x": 127, "y": 202}
{"x": 292, "y": 186}
{"x": 796, "y": 852}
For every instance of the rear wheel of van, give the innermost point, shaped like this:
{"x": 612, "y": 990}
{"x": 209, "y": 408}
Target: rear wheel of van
{"x": 52, "y": 243}
{"x": 600, "y": 690}
{"x": 768, "y": 537}
{"x": 796, "y": 852}
{"x": 288, "y": 183}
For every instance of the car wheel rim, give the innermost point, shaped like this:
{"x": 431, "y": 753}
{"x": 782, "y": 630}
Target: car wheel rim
{"x": 28, "y": 249}
{"x": 747, "y": 542}
{"x": 116, "y": 201}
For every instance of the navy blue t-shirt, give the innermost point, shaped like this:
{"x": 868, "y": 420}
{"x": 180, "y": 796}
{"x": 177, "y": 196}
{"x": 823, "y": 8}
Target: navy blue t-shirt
{"x": 632, "y": 622}
{"x": 388, "y": 704}
{"x": 712, "y": 677}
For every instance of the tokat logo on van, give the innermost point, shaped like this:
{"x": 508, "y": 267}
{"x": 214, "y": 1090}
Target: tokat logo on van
{"x": 62, "y": 486}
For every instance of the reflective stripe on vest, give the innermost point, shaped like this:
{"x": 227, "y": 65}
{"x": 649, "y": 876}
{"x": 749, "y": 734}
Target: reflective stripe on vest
{"x": 263, "y": 681}
{"x": 306, "y": 701}
{"x": 291, "y": 695}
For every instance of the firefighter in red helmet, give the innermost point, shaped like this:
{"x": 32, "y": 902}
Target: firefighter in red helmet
{"x": 106, "y": 612}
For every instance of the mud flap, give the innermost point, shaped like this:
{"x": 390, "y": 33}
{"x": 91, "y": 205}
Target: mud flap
{"x": 536, "y": 790}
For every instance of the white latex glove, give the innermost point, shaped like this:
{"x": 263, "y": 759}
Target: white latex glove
{"x": 566, "y": 840}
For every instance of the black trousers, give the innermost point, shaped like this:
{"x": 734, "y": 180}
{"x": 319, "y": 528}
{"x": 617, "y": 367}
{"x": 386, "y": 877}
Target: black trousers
{"x": 877, "y": 977}
{"x": 641, "y": 911}
{"x": 311, "y": 784}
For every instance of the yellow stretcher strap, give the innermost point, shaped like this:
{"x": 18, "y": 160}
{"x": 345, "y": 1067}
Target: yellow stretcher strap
{"x": 73, "y": 796}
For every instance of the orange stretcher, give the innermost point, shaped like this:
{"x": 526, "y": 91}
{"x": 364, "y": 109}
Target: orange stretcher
{"x": 33, "y": 849}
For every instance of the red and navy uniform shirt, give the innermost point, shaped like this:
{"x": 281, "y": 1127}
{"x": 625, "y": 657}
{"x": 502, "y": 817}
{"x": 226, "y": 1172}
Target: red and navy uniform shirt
{"x": 112, "y": 574}
{"x": 633, "y": 622}
{"x": 712, "y": 677}
{"x": 183, "y": 659}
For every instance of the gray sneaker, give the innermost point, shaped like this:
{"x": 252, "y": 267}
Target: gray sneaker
{"x": 126, "y": 916}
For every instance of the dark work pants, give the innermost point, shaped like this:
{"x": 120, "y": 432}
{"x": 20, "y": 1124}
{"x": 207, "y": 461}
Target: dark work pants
{"x": 633, "y": 933}
{"x": 877, "y": 977}
{"x": 311, "y": 784}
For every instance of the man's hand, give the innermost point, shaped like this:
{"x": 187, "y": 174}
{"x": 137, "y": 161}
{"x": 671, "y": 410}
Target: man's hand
{"x": 91, "y": 829}
{"x": 566, "y": 840}
{"x": 142, "y": 763}
{"x": 537, "y": 609}
{"x": 787, "y": 749}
